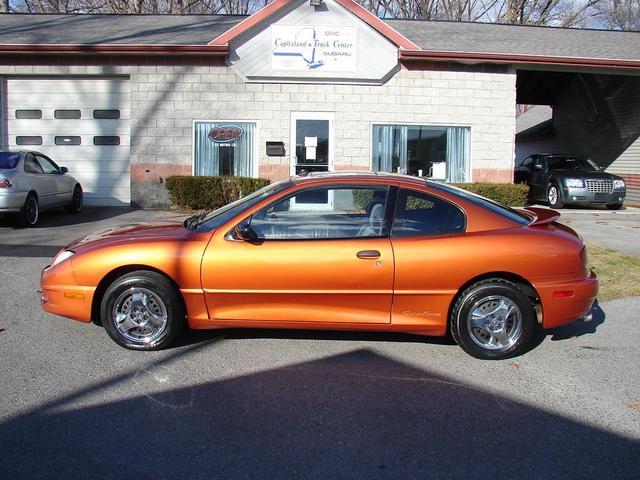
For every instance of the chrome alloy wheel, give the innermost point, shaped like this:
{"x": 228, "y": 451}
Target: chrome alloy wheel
{"x": 494, "y": 323}
{"x": 139, "y": 315}
{"x": 553, "y": 195}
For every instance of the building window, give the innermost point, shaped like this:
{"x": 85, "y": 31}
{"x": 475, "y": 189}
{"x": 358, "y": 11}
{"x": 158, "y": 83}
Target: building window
{"x": 72, "y": 140}
{"x": 66, "y": 114}
{"x": 106, "y": 140}
{"x": 28, "y": 114}
{"x": 29, "y": 140}
{"x": 106, "y": 114}
{"x": 224, "y": 148}
{"x": 441, "y": 153}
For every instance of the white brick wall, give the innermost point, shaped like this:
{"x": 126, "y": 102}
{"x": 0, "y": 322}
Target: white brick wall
{"x": 164, "y": 104}
{"x": 166, "y": 99}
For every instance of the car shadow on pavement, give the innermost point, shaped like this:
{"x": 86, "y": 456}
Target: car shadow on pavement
{"x": 579, "y": 328}
{"x": 354, "y": 415}
{"x": 61, "y": 218}
{"x": 37, "y": 251}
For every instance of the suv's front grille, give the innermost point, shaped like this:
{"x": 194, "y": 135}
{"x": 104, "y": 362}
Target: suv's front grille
{"x": 600, "y": 186}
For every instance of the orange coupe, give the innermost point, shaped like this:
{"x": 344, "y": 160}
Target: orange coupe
{"x": 333, "y": 251}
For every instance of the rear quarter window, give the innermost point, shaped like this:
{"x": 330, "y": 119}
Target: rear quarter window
{"x": 419, "y": 214}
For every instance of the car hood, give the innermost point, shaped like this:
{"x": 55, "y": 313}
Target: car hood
{"x": 133, "y": 233}
{"x": 584, "y": 175}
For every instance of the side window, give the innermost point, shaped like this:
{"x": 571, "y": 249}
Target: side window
{"x": 420, "y": 214}
{"x": 30, "y": 164}
{"x": 47, "y": 165}
{"x": 347, "y": 213}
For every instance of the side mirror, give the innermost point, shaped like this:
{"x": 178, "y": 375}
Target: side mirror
{"x": 538, "y": 166}
{"x": 63, "y": 170}
{"x": 243, "y": 231}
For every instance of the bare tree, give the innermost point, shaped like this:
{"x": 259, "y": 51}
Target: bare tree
{"x": 620, "y": 14}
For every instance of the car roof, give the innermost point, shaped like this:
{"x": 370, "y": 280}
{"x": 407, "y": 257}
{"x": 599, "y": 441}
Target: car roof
{"x": 357, "y": 175}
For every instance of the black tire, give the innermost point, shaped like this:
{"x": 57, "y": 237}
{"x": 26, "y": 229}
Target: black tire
{"x": 30, "y": 213}
{"x": 76, "y": 200}
{"x": 517, "y": 326}
{"x": 138, "y": 329}
{"x": 554, "y": 200}
{"x": 615, "y": 206}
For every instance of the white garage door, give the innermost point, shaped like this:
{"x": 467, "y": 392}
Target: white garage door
{"x": 82, "y": 124}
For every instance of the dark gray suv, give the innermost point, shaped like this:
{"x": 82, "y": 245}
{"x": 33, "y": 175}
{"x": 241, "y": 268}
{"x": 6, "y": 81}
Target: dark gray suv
{"x": 570, "y": 180}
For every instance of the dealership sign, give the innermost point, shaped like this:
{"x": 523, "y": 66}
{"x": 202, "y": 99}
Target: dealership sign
{"x": 225, "y": 133}
{"x": 313, "y": 48}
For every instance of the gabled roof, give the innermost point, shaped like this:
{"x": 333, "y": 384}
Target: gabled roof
{"x": 417, "y": 40}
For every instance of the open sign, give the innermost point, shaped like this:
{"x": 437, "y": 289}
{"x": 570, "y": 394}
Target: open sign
{"x": 225, "y": 133}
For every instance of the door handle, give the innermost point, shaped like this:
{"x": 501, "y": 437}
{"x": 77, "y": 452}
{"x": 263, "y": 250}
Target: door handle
{"x": 367, "y": 254}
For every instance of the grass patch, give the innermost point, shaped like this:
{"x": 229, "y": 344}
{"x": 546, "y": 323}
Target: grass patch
{"x": 618, "y": 273}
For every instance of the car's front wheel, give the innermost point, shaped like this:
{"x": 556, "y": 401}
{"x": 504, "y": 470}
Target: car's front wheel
{"x": 493, "y": 319}
{"x": 554, "y": 197}
{"x": 142, "y": 310}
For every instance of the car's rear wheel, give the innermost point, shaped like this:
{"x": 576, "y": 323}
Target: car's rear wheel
{"x": 76, "y": 200}
{"x": 30, "y": 213}
{"x": 554, "y": 197}
{"x": 493, "y": 319}
{"x": 142, "y": 310}
{"x": 614, "y": 206}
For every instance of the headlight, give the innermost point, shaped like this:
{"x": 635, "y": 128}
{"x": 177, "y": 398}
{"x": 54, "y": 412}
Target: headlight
{"x": 575, "y": 182}
{"x": 62, "y": 256}
{"x": 618, "y": 184}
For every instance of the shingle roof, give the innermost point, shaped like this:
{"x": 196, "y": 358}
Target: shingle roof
{"x": 25, "y": 29}
{"x": 520, "y": 40}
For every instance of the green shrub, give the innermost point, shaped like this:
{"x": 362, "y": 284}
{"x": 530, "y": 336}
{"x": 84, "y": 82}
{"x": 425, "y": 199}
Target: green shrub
{"x": 512, "y": 195}
{"x": 209, "y": 193}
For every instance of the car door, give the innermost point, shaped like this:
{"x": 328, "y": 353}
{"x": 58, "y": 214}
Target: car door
{"x": 63, "y": 184}
{"x": 36, "y": 179}
{"x": 328, "y": 265}
{"x": 428, "y": 239}
{"x": 539, "y": 176}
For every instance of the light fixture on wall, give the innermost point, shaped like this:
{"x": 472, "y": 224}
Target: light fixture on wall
{"x": 315, "y": 3}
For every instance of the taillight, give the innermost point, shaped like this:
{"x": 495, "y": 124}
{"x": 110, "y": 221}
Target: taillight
{"x": 5, "y": 183}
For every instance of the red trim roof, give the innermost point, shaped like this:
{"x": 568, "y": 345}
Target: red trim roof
{"x": 363, "y": 14}
{"x": 130, "y": 49}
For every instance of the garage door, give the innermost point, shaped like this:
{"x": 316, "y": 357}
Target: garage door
{"x": 82, "y": 124}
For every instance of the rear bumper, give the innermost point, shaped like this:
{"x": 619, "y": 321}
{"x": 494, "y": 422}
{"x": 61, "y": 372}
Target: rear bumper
{"x": 11, "y": 202}
{"x": 560, "y": 310}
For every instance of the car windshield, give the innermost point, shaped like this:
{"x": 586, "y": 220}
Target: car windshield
{"x": 9, "y": 160}
{"x": 584, "y": 164}
{"x": 223, "y": 214}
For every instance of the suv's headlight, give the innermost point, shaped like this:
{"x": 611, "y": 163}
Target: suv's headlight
{"x": 62, "y": 256}
{"x": 618, "y": 184}
{"x": 575, "y": 182}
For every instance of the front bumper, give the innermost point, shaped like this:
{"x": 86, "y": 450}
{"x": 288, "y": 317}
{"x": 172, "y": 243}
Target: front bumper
{"x": 61, "y": 294}
{"x": 558, "y": 311}
{"x": 582, "y": 196}
{"x": 11, "y": 202}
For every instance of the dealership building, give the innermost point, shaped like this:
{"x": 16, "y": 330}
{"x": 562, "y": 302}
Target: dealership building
{"x": 123, "y": 101}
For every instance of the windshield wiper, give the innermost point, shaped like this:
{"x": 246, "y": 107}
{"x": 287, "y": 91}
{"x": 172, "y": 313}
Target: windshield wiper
{"x": 193, "y": 221}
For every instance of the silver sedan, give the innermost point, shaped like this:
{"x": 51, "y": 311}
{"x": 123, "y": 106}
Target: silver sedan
{"x": 31, "y": 182}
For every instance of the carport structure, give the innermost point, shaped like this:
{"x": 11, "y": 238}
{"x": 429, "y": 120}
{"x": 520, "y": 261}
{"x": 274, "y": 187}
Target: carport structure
{"x": 590, "y": 78}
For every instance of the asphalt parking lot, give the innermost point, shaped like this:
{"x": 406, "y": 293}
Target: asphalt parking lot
{"x": 281, "y": 404}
